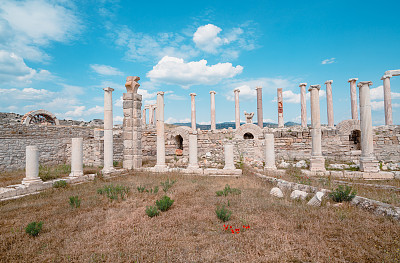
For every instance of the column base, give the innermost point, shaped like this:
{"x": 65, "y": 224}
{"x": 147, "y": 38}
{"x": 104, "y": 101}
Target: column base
{"x": 107, "y": 171}
{"x": 317, "y": 164}
{"x": 76, "y": 174}
{"x": 229, "y": 167}
{"x": 30, "y": 181}
{"x": 192, "y": 167}
{"x": 270, "y": 168}
{"x": 369, "y": 165}
{"x": 160, "y": 168}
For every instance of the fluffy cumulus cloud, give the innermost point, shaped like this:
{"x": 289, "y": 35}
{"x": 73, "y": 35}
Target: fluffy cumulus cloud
{"x": 80, "y": 111}
{"x": 176, "y": 71}
{"x": 377, "y": 97}
{"x": 106, "y": 70}
{"x": 291, "y": 97}
{"x": 27, "y": 26}
{"x": 207, "y": 39}
{"x": 328, "y": 61}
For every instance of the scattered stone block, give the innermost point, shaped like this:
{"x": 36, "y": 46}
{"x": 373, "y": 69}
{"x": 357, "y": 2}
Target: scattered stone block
{"x": 316, "y": 200}
{"x": 297, "y": 194}
{"x": 276, "y": 192}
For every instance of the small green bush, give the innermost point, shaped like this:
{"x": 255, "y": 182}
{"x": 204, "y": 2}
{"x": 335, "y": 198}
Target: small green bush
{"x": 223, "y": 214}
{"x": 114, "y": 192}
{"x": 152, "y": 211}
{"x": 228, "y": 190}
{"x": 60, "y": 184}
{"x": 167, "y": 185}
{"x": 74, "y": 201}
{"x": 141, "y": 189}
{"x": 342, "y": 193}
{"x": 33, "y": 228}
{"x": 155, "y": 189}
{"x": 164, "y": 203}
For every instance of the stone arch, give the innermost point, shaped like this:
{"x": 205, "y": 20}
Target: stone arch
{"x": 40, "y": 117}
{"x": 180, "y": 136}
{"x": 355, "y": 137}
{"x": 250, "y": 128}
{"x": 347, "y": 126}
{"x": 248, "y": 136}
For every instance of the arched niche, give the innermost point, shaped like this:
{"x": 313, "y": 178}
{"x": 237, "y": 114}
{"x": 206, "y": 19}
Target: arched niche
{"x": 40, "y": 117}
{"x": 250, "y": 129}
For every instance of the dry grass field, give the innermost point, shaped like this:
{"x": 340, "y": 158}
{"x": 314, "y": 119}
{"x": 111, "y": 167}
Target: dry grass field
{"x": 281, "y": 230}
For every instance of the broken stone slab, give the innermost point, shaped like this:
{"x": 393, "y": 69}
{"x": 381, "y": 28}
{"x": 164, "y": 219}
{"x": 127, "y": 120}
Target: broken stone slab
{"x": 316, "y": 200}
{"x": 276, "y": 192}
{"x": 297, "y": 194}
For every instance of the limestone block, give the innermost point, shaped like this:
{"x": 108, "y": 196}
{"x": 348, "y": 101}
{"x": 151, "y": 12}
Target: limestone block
{"x": 127, "y": 104}
{"x": 316, "y": 200}
{"x": 137, "y": 97}
{"x": 127, "y": 96}
{"x": 297, "y": 194}
{"x": 276, "y": 192}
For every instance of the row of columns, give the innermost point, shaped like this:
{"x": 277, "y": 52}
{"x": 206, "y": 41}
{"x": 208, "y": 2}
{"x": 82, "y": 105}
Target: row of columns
{"x": 151, "y": 109}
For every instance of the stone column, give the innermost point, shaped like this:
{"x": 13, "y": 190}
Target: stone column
{"x": 76, "y": 157}
{"x": 108, "y": 131}
{"x": 32, "y": 166}
{"x": 303, "y": 104}
{"x": 260, "y": 121}
{"x": 237, "y": 109}
{"x": 228, "y": 151}
{"x": 144, "y": 116}
{"x": 329, "y": 102}
{"x": 368, "y": 162}
{"x": 317, "y": 161}
{"x": 280, "y": 108}
{"x": 353, "y": 96}
{"x": 213, "y": 123}
{"x": 388, "y": 99}
{"x": 193, "y": 107}
{"x": 151, "y": 115}
{"x": 160, "y": 131}
{"x": 193, "y": 162}
{"x": 269, "y": 152}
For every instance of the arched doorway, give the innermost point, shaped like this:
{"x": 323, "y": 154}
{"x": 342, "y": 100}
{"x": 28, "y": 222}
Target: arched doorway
{"x": 179, "y": 142}
{"x": 355, "y": 137}
{"x": 248, "y": 136}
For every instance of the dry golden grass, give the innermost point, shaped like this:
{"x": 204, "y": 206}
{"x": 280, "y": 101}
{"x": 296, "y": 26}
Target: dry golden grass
{"x": 102, "y": 231}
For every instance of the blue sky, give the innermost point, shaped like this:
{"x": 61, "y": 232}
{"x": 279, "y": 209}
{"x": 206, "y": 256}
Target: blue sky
{"x": 58, "y": 55}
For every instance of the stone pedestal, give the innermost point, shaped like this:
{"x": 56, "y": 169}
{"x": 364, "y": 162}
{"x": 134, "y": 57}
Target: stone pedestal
{"x": 237, "y": 109}
{"x": 387, "y": 99}
{"x": 269, "y": 152}
{"x": 329, "y": 103}
{"x": 213, "y": 122}
{"x": 228, "y": 151}
{"x": 260, "y": 121}
{"x": 108, "y": 131}
{"x": 353, "y": 97}
{"x": 317, "y": 161}
{"x": 280, "y": 108}
{"x": 303, "y": 104}
{"x": 368, "y": 162}
{"x": 193, "y": 162}
{"x": 160, "y": 132}
{"x": 32, "y": 166}
{"x": 132, "y": 125}
{"x": 76, "y": 157}
{"x": 193, "y": 110}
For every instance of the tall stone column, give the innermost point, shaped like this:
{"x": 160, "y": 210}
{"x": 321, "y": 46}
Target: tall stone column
{"x": 329, "y": 102}
{"x": 213, "y": 123}
{"x": 32, "y": 166}
{"x": 108, "y": 131}
{"x": 160, "y": 131}
{"x": 193, "y": 162}
{"x": 353, "y": 97}
{"x": 193, "y": 109}
{"x": 317, "y": 161}
{"x": 132, "y": 125}
{"x": 237, "y": 109}
{"x": 387, "y": 96}
{"x": 228, "y": 151}
{"x": 144, "y": 116}
{"x": 76, "y": 157}
{"x": 260, "y": 120}
{"x": 280, "y": 108}
{"x": 269, "y": 152}
{"x": 151, "y": 114}
{"x": 368, "y": 162}
{"x": 303, "y": 104}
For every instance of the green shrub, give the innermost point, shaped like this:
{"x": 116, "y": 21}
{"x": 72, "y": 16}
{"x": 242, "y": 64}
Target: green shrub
{"x": 342, "y": 193}
{"x": 141, "y": 189}
{"x": 223, "y": 214}
{"x": 74, "y": 201}
{"x": 33, "y": 228}
{"x": 155, "y": 189}
{"x": 164, "y": 203}
{"x": 167, "y": 185}
{"x": 114, "y": 192}
{"x": 60, "y": 184}
{"x": 152, "y": 211}
{"x": 228, "y": 190}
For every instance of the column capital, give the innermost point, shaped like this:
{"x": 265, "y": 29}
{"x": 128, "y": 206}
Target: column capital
{"x": 362, "y": 83}
{"x": 302, "y": 84}
{"x": 329, "y": 82}
{"x": 147, "y": 106}
{"x": 314, "y": 87}
{"x": 160, "y": 93}
{"x": 108, "y": 89}
{"x": 154, "y": 106}
{"x": 352, "y": 79}
{"x": 236, "y": 90}
{"x": 386, "y": 76}
{"x": 192, "y": 94}
{"x": 213, "y": 92}
{"x": 258, "y": 87}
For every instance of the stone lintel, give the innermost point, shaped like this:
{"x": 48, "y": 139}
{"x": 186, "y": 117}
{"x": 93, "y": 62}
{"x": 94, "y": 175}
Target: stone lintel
{"x": 395, "y": 72}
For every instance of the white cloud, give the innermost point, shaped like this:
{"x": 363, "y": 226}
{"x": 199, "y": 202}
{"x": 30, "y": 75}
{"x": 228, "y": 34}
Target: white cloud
{"x": 80, "y": 111}
{"x": 26, "y": 26}
{"x": 118, "y": 119}
{"x": 328, "y": 61}
{"x": 146, "y": 95}
{"x": 28, "y": 94}
{"x": 106, "y": 70}
{"x": 206, "y": 38}
{"x": 377, "y": 94}
{"x": 246, "y": 93}
{"x": 171, "y": 120}
{"x": 380, "y": 105}
{"x": 149, "y": 102}
{"x": 119, "y": 102}
{"x": 291, "y": 97}
{"x": 175, "y": 71}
